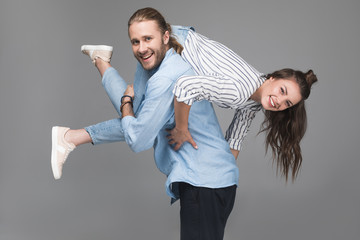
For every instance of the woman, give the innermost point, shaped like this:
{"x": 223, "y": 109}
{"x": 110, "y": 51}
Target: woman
{"x": 228, "y": 81}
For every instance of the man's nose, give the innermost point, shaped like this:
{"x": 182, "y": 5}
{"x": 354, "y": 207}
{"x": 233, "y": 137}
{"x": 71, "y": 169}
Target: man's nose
{"x": 142, "y": 47}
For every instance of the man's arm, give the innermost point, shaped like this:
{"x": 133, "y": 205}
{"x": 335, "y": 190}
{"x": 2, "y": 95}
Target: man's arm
{"x": 154, "y": 112}
{"x": 127, "y": 110}
{"x": 126, "y": 107}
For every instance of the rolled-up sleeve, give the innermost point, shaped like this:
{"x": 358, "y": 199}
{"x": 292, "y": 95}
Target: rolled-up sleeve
{"x": 223, "y": 91}
{"x": 239, "y": 127}
{"x": 154, "y": 112}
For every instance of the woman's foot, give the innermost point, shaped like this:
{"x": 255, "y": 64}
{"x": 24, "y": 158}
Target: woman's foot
{"x": 98, "y": 51}
{"x": 60, "y": 150}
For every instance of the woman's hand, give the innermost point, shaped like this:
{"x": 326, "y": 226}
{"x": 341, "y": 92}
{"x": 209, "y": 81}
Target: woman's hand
{"x": 178, "y": 137}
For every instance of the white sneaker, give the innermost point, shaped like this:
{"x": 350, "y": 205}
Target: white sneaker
{"x": 60, "y": 150}
{"x": 98, "y": 51}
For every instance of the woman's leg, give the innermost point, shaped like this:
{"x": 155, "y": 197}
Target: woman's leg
{"x": 114, "y": 86}
{"x": 77, "y": 136}
{"x": 181, "y": 32}
{"x": 81, "y": 136}
{"x": 65, "y": 140}
{"x": 101, "y": 66}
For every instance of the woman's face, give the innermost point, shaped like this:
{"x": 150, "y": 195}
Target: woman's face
{"x": 280, "y": 94}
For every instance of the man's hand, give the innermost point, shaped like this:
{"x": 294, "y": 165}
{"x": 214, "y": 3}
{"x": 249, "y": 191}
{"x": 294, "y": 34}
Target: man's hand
{"x": 130, "y": 90}
{"x": 126, "y": 107}
{"x": 178, "y": 137}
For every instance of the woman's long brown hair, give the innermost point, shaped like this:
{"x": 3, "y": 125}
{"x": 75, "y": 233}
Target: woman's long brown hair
{"x": 285, "y": 129}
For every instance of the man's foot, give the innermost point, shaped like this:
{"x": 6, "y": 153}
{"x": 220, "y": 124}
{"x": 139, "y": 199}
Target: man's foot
{"x": 60, "y": 150}
{"x": 98, "y": 51}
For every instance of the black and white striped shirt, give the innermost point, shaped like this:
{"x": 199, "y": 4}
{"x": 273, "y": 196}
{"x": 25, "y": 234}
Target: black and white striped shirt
{"x": 224, "y": 78}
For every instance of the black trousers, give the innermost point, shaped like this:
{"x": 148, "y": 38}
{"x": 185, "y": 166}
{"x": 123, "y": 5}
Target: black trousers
{"x": 204, "y": 211}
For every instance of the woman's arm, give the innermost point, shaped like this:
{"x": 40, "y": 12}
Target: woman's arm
{"x": 181, "y": 114}
{"x": 180, "y": 133}
{"x": 239, "y": 127}
{"x": 220, "y": 90}
{"x": 235, "y": 153}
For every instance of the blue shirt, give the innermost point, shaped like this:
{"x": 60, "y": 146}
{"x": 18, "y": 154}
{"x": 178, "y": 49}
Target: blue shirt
{"x": 212, "y": 165}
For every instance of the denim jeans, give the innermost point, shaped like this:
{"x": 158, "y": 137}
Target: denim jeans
{"x": 111, "y": 130}
{"x": 181, "y": 33}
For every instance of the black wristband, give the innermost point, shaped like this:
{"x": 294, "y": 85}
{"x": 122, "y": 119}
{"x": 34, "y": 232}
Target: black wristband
{"x": 131, "y": 98}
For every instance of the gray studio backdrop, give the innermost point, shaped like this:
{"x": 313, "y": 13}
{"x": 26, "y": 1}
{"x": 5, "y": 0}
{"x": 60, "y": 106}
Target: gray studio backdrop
{"x": 107, "y": 192}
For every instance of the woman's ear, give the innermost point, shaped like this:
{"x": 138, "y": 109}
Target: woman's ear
{"x": 271, "y": 79}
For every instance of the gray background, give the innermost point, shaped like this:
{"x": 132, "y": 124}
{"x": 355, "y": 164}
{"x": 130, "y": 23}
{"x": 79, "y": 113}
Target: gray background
{"x": 108, "y": 192}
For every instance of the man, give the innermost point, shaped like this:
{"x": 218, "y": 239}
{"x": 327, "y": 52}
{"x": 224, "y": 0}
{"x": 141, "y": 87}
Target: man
{"x": 204, "y": 179}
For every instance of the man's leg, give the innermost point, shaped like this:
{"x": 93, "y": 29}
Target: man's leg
{"x": 204, "y": 211}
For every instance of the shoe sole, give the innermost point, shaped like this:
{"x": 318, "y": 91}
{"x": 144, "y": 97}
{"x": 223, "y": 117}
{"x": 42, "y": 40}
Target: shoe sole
{"x": 96, "y": 47}
{"x": 54, "y": 166}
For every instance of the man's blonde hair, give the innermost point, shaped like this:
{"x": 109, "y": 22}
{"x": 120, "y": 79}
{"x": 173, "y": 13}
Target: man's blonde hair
{"x": 148, "y": 14}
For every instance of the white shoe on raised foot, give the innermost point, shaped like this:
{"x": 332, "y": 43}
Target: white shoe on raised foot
{"x": 98, "y": 51}
{"x": 60, "y": 150}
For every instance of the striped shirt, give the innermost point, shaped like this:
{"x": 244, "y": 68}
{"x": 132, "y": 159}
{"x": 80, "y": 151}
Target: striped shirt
{"x": 224, "y": 78}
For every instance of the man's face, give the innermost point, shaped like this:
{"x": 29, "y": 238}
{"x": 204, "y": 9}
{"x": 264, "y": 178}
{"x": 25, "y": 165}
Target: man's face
{"x": 149, "y": 45}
